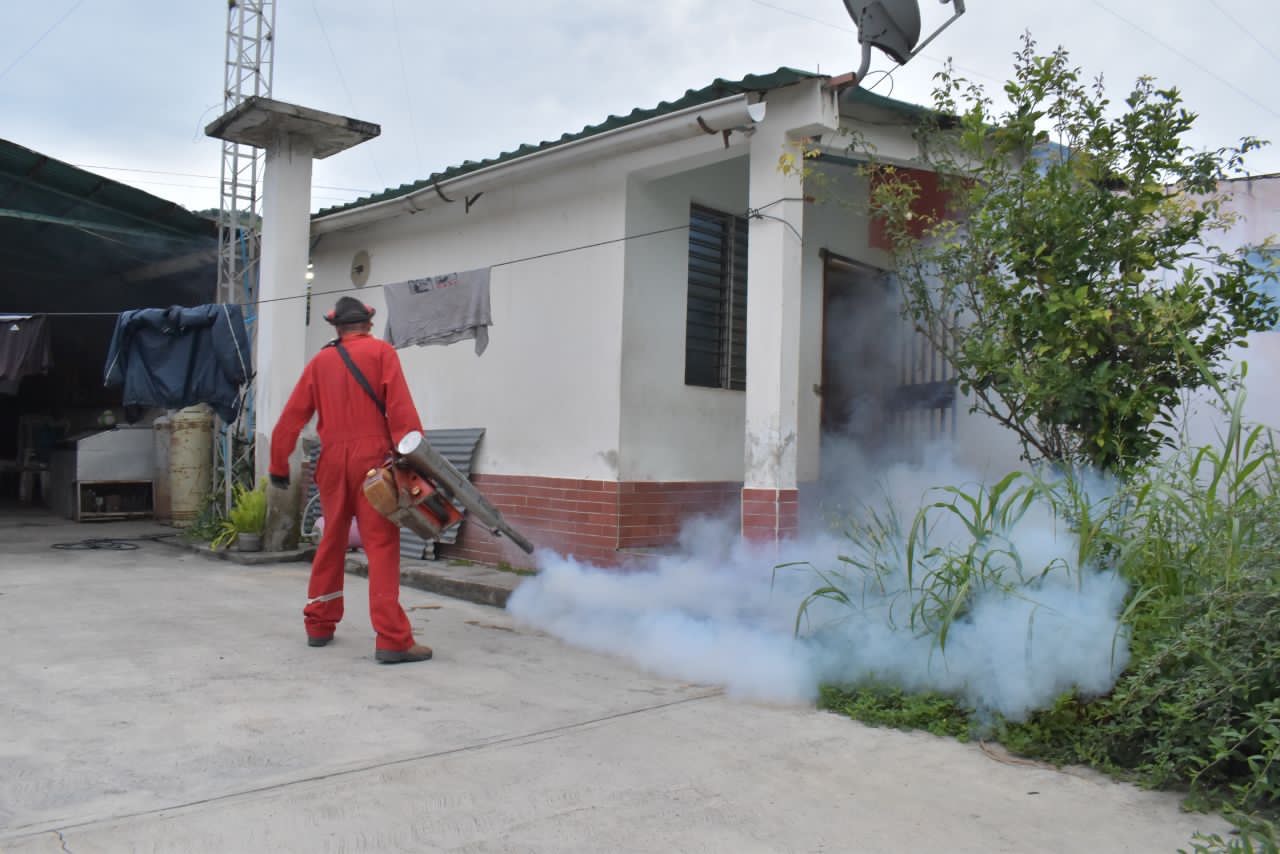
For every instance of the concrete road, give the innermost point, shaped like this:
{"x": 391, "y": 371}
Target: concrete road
{"x": 156, "y": 700}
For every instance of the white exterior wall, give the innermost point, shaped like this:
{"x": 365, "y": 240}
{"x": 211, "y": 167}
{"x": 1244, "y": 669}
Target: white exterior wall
{"x": 584, "y": 375}
{"x": 1256, "y": 204}
{"x": 547, "y": 388}
{"x": 671, "y": 431}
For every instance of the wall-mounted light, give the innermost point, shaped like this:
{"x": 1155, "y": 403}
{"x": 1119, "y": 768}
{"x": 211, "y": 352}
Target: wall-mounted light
{"x": 311, "y": 272}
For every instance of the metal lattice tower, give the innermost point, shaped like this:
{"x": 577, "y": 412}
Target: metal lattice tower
{"x": 250, "y": 61}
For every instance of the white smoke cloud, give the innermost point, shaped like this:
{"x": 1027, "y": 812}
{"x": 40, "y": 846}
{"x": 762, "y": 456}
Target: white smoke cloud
{"x": 716, "y": 611}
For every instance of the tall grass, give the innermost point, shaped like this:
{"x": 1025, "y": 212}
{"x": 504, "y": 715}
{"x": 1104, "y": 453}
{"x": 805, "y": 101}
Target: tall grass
{"x": 1196, "y": 536}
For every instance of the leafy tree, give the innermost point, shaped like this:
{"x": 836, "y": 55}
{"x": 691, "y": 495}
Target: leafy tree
{"x": 1073, "y": 282}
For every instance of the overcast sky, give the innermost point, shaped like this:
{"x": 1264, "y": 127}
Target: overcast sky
{"x": 130, "y": 84}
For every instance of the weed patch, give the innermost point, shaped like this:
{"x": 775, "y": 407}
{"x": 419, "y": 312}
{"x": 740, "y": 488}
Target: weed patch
{"x": 1197, "y": 538}
{"x": 887, "y": 706}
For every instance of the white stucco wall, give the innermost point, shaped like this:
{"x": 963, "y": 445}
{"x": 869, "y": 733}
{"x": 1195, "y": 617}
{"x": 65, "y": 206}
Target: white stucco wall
{"x": 546, "y": 390}
{"x": 584, "y": 375}
{"x": 1255, "y": 202}
{"x": 671, "y": 431}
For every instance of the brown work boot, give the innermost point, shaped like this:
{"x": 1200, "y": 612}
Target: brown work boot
{"x": 417, "y": 652}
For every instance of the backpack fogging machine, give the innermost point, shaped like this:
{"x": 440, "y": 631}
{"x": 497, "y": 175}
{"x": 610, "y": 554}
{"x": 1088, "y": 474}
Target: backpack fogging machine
{"x": 418, "y": 490}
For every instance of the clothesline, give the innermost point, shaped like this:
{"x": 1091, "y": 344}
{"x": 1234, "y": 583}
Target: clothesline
{"x": 753, "y": 213}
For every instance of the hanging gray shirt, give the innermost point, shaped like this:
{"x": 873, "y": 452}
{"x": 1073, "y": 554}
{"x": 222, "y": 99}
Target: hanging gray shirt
{"x": 439, "y": 310}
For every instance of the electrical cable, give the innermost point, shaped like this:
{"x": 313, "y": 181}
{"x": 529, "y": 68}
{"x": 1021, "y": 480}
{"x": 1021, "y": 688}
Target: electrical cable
{"x": 1250, "y": 33}
{"x": 854, "y": 30}
{"x": 754, "y": 213}
{"x": 884, "y": 75}
{"x": 199, "y": 175}
{"x": 408, "y": 93}
{"x": 757, "y": 215}
{"x": 1188, "y": 58}
{"x": 337, "y": 67}
{"x": 43, "y": 36}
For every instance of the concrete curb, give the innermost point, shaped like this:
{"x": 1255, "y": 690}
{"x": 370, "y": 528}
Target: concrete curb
{"x": 479, "y": 584}
{"x": 482, "y": 585}
{"x": 242, "y": 558}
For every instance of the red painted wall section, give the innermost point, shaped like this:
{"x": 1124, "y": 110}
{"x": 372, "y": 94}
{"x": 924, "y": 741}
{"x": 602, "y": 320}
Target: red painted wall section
{"x": 590, "y": 520}
{"x": 651, "y": 514}
{"x": 931, "y": 204}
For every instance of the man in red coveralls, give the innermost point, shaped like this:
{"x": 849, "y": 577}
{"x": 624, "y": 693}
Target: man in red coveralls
{"x": 355, "y": 437}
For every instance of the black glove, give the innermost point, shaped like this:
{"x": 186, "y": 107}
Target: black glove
{"x": 280, "y": 481}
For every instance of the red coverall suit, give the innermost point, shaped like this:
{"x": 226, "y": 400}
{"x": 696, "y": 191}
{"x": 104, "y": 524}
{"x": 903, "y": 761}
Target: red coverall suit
{"x": 354, "y": 438}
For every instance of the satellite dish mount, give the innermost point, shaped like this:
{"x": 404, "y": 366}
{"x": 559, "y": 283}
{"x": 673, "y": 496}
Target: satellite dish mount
{"x": 893, "y": 26}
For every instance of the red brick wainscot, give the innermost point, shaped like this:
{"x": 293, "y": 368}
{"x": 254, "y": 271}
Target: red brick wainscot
{"x": 770, "y": 515}
{"x": 591, "y": 520}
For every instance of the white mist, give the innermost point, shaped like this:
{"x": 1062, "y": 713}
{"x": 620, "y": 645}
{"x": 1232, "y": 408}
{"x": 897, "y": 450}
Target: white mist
{"x": 717, "y": 612}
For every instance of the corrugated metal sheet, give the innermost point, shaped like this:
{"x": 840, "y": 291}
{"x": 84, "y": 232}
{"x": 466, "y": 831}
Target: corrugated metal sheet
{"x": 458, "y": 447}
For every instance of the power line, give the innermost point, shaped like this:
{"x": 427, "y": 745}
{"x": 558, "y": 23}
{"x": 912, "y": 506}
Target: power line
{"x": 408, "y": 93}
{"x": 796, "y": 14}
{"x": 43, "y": 35}
{"x": 199, "y": 175}
{"x": 152, "y": 183}
{"x": 351, "y": 103}
{"x": 1225, "y": 82}
{"x": 1250, "y": 33}
{"x": 753, "y": 213}
{"x": 854, "y": 31}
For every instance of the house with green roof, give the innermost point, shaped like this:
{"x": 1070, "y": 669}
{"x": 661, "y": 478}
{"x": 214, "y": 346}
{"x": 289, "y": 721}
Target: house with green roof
{"x": 677, "y": 322}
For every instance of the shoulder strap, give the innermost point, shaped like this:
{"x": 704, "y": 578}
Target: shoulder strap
{"x": 364, "y": 383}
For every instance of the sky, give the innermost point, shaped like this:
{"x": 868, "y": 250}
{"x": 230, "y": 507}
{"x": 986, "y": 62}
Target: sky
{"x": 125, "y": 87}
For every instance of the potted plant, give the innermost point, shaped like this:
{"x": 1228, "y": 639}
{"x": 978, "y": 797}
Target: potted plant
{"x": 244, "y": 524}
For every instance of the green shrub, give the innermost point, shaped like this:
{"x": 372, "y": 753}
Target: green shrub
{"x": 248, "y": 515}
{"x": 1252, "y": 835}
{"x": 1198, "y": 539}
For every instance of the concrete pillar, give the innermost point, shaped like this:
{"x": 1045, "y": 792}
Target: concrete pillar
{"x": 292, "y": 135}
{"x": 282, "y": 317}
{"x": 769, "y": 494}
{"x": 770, "y": 497}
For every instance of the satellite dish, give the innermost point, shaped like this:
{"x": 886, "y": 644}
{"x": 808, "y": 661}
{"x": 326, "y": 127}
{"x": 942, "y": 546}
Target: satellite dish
{"x": 893, "y": 26}
{"x": 360, "y": 269}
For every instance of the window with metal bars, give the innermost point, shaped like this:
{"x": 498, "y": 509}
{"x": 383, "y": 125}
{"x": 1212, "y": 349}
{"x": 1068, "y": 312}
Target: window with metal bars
{"x": 715, "y": 344}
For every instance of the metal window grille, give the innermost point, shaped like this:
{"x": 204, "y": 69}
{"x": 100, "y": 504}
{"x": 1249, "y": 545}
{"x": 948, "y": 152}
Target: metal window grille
{"x": 716, "y": 322}
{"x": 925, "y": 400}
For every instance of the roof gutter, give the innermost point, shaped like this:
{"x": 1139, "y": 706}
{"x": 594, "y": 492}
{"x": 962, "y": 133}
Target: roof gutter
{"x": 718, "y": 117}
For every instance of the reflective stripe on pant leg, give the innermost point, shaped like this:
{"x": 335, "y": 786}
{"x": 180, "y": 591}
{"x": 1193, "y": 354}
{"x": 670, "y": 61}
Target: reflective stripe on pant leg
{"x": 328, "y": 567}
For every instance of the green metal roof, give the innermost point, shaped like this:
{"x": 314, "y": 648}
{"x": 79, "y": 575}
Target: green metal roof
{"x": 70, "y": 239}
{"x": 859, "y": 95}
{"x": 65, "y": 191}
{"x": 692, "y": 98}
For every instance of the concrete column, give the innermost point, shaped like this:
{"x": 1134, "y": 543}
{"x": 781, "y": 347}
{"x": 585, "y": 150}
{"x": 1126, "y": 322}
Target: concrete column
{"x": 292, "y": 135}
{"x": 770, "y": 498}
{"x": 282, "y": 329}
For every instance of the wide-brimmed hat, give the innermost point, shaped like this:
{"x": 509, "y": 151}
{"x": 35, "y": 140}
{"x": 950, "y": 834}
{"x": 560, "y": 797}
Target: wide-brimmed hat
{"x": 349, "y": 310}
